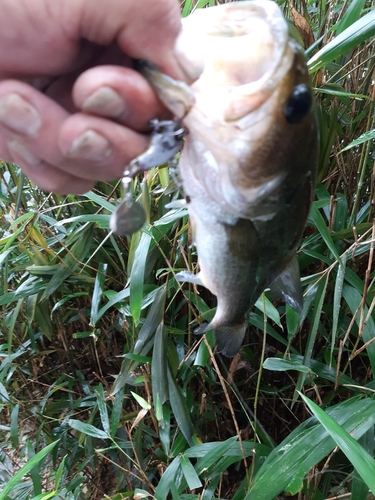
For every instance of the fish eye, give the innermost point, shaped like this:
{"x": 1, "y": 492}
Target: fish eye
{"x": 298, "y": 104}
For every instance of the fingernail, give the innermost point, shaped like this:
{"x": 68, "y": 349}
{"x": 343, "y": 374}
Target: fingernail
{"x": 188, "y": 54}
{"x": 90, "y": 146}
{"x": 104, "y": 101}
{"x": 23, "y": 152}
{"x": 18, "y": 115}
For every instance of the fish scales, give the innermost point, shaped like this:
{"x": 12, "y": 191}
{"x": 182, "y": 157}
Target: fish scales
{"x": 249, "y": 160}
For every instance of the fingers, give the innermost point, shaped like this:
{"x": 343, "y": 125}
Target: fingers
{"x": 118, "y": 93}
{"x": 55, "y": 148}
{"x": 50, "y": 178}
{"x": 149, "y": 30}
{"x": 99, "y": 148}
{"x": 63, "y": 152}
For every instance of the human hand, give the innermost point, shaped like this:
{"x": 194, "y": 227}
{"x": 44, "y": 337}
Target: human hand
{"x": 88, "y": 123}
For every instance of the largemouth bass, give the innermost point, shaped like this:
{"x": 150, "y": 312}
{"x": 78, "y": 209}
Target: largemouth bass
{"x": 248, "y": 164}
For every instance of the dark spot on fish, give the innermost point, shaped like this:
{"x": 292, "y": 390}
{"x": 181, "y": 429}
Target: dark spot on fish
{"x": 298, "y": 104}
{"x": 289, "y": 194}
{"x": 188, "y": 199}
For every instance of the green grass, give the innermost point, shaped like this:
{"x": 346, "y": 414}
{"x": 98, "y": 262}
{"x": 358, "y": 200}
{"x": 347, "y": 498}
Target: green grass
{"x": 104, "y": 390}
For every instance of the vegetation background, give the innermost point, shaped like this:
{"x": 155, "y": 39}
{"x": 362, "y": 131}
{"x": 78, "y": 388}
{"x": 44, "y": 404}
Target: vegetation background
{"x": 105, "y": 392}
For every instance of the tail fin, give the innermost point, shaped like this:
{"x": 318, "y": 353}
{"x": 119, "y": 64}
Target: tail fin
{"x": 228, "y": 338}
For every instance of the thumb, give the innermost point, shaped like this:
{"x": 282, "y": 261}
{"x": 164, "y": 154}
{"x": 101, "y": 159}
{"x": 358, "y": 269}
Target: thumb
{"x": 146, "y": 29}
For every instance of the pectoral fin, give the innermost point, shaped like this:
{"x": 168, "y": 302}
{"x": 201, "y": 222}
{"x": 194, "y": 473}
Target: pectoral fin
{"x": 189, "y": 278}
{"x": 288, "y": 285}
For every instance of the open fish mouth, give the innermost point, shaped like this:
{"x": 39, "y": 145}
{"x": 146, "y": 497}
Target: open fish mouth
{"x": 244, "y": 46}
{"x": 250, "y": 32}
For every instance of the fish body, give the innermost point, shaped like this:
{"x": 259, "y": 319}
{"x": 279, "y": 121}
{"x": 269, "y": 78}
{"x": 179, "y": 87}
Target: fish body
{"x": 248, "y": 164}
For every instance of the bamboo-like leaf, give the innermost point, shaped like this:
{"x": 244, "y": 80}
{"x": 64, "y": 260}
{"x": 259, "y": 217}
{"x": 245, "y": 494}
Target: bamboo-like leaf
{"x": 203, "y": 354}
{"x": 165, "y": 429}
{"x": 228, "y": 448}
{"x": 138, "y": 495}
{"x": 171, "y": 217}
{"x": 171, "y": 477}
{"x": 145, "y": 339}
{"x": 4, "y": 395}
{"x": 142, "y": 402}
{"x": 45, "y": 496}
{"x": 292, "y": 321}
{"x": 114, "y": 299}
{"x": 188, "y": 7}
{"x": 35, "y": 471}
{"x": 87, "y": 429}
{"x": 72, "y": 261}
{"x": 14, "y": 315}
{"x": 356, "y": 454}
{"x": 318, "y": 221}
{"x": 100, "y": 399}
{"x": 159, "y": 377}
{"x": 271, "y": 312}
{"x": 190, "y": 474}
{"x": 339, "y": 93}
{"x": 367, "y": 136}
{"x": 117, "y": 411}
{"x": 281, "y": 365}
{"x": 211, "y": 457}
{"x": 14, "y": 425}
{"x": 153, "y": 320}
{"x": 306, "y": 446}
{"x": 59, "y": 472}
{"x": 101, "y": 220}
{"x": 140, "y": 416}
{"x": 25, "y": 469}
{"x": 351, "y": 37}
{"x": 353, "y": 297}
{"x": 43, "y": 320}
{"x": 67, "y": 297}
{"x": 337, "y": 301}
{"x": 316, "y": 313}
{"x": 351, "y": 15}
{"x": 99, "y": 200}
{"x": 137, "y": 277}
{"x": 97, "y": 293}
{"x": 179, "y": 408}
{"x": 322, "y": 370}
{"x": 359, "y": 488}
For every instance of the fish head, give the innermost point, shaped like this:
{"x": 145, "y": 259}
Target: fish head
{"x": 249, "y": 111}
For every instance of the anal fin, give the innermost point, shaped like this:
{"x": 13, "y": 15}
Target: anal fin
{"x": 228, "y": 338}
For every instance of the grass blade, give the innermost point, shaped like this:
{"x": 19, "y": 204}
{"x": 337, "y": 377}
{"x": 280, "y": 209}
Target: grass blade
{"x": 159, "y": 377}
{"x": 353, "y": 36}
{"x": 190, "y": 474}
{"x": 179, "y": 408}
{"x": 358, "y": 456}
{"x": 97, "y": 293}
{"x": 306, "y": 446}
{"x": 137, "y": 276}
{"x": 87, "y": 429}
{"x": 25, "y": 469}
